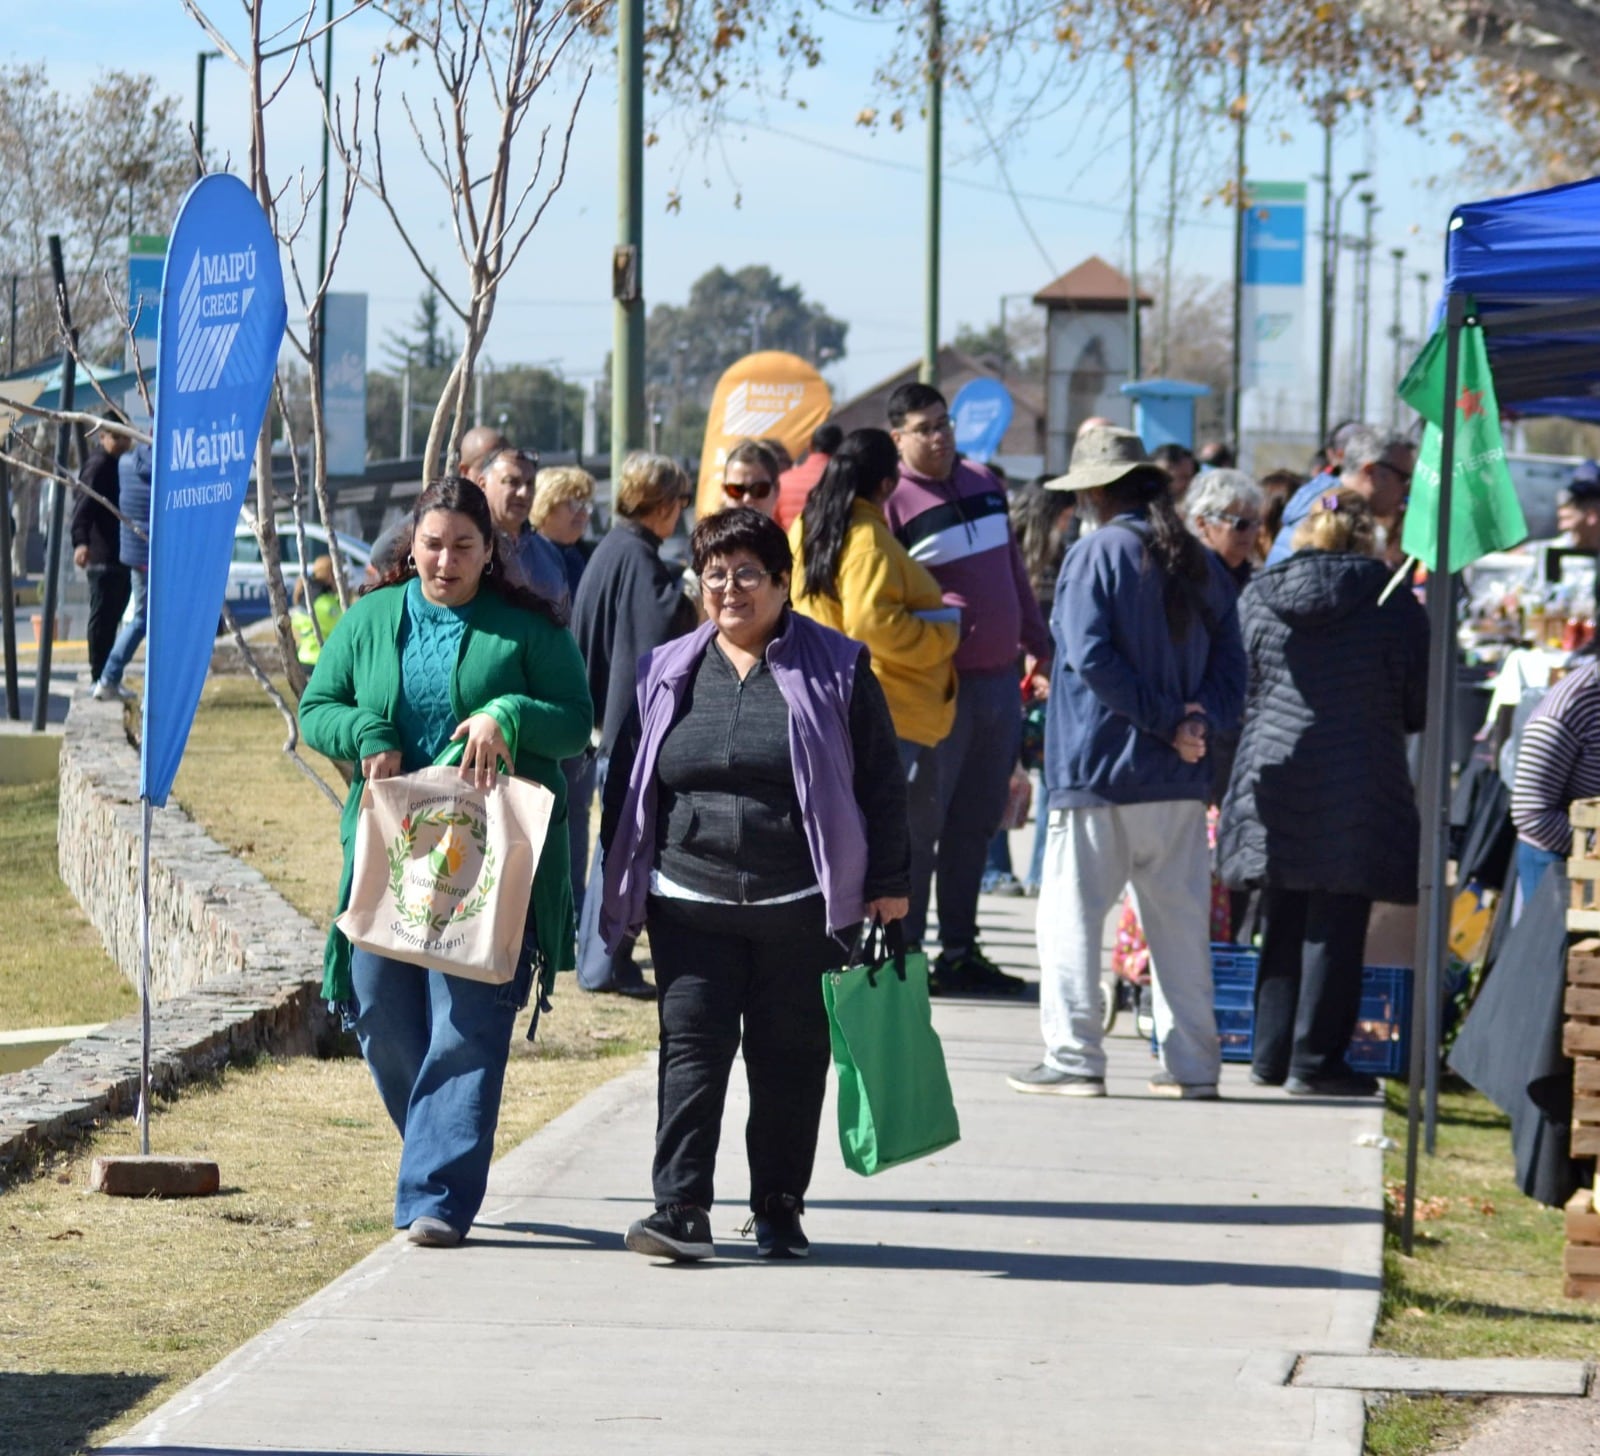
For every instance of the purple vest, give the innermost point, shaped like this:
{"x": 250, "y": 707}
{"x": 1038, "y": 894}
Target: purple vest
{"x": 815, "y": 670}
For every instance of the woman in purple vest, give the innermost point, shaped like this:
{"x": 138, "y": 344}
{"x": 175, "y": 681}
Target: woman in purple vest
{"x": 755, "y": 815}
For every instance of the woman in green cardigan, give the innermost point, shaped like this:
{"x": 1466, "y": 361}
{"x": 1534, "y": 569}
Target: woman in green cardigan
{"x": 448, "y": 646}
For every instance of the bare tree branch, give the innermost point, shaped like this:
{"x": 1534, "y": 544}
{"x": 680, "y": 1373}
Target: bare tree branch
{"x": 291, "y": 743}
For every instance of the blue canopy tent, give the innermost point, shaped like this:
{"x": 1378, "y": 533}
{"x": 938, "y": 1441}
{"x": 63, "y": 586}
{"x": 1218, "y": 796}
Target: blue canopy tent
{"x": 1527, "y": 269}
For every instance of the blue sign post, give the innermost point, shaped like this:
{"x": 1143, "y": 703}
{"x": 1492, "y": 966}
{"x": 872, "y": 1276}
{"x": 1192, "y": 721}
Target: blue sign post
{"x": 981, "y": 411}
{"x": 221, "y": 325}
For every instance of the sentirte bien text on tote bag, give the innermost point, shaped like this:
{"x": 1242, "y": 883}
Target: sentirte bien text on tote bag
{"x": 443, "y": 871}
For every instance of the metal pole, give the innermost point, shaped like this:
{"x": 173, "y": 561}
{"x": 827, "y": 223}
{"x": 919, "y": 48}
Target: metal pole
{"x": 1397, "y": 334}
{"x": 13, "y": 323}
{"x": 1004, "y": 341}
{"x": 8, "y": 600}
{"x": 144, "y": 978}
{"x": 929, "y": 372}
{"x": 322, "y": 218}
{"x": 1237, "y": 374}
{"x": 1325, "y": 337}
{"x": 1435, "y": 774}
{"x": 405, "y": 413}
{"x": 1133, "y": 219}
{"x": 200, "y": 112}
{"x": 1423, "y": 331}
{"x": 1367, "y": 201}
{"x": 627, "y": 353}
{"x": 58, "y": 498}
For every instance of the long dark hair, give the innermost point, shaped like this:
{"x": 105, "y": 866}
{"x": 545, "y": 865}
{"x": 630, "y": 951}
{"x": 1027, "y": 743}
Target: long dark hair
{"x": 503, "y": 575}
{"x": 1035, "y": 513}
{"x": 855, "y": 471}
{"x": 1171, "y": 545}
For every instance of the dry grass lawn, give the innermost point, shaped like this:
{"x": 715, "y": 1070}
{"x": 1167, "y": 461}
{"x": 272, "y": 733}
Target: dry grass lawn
{"x": 54, "y": 971}
{"x": 236, "y": 781}
{"x": 110, "y": 1306}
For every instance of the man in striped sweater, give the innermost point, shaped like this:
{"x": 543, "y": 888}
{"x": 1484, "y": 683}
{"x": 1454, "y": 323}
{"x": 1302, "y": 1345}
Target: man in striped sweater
{"x": 1558, "y": 760}
{"x": 951, "y": 516}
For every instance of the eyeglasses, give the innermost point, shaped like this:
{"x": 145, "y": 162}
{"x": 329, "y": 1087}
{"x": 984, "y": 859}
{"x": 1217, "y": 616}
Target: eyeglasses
{"x": 1403, "y": 476}
{"x": 746, "y": 578}
{"x": 930, "y": 428}
{"x": 1242, "y": 524}
{"x": 755, "y": 489}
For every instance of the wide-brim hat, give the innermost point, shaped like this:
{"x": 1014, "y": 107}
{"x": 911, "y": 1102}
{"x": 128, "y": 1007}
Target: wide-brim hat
{"x": 1106, "y": 456}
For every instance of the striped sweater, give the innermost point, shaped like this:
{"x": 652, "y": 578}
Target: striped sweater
{"x": 1558, "y": 759}
{"x": 959, "y": 530}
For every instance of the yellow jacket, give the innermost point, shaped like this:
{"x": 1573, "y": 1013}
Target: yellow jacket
{"x": 880, "y": 591}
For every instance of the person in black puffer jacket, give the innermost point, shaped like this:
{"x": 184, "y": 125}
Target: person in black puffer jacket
{"x": 1320, "y": 814}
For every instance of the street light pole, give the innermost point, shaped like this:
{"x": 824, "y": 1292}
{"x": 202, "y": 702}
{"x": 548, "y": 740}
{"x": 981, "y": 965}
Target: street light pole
{"x": 200, "y": 60}
{"x": 627, "y": 265}
{"x": 1334, "y": 242}
{"x": 1237, "y": 380}
{"x": 1368, "y": 201}
{"x": 929, "y": 372}
{"x": 1397, "y": 334}
{"x": 1325, "y": 330}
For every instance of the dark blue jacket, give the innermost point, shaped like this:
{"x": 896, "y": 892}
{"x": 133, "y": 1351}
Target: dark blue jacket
{"x": 133, "y": 484}
{"x": 1119, "y": 683}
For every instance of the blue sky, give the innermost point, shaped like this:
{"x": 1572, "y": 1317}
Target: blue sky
{"x": 806, "y": 191}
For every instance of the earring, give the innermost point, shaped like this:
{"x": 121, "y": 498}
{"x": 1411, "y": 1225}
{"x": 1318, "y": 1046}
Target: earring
{"x": 489, "y": 569}
{"x": 411, "y": 562}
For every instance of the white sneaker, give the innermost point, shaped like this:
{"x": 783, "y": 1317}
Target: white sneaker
{"x": 105, "y": 692}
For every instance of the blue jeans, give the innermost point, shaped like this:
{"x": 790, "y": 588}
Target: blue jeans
{"x": 973, "y": 771}
{"x": 1532, "y": 862}
{"x": 580, "y": 776}
{"x": 437, "y": 1047}
{"x": 132, "y": 633}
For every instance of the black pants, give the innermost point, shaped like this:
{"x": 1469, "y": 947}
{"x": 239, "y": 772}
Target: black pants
{"x": 1308, "y": 987}
{"x": 109, "y": 587}
{"x": 718, "y": 966}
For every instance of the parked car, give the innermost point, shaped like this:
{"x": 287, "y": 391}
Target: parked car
{"x": 247, "y": 577}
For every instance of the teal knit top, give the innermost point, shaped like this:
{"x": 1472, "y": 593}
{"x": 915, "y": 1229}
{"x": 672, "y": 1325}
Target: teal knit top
{"x": 430, "y": 640}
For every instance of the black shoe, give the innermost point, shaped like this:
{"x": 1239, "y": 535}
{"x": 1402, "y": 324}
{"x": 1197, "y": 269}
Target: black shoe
{"x": 971, "y": 973}
{"x": 1263, "y": 1079}
{"x": 778, "y": 1231}
{"x": 678, "y": 1231}
{"x": 1343, "y": 1084}
{"x": 634, "y": 990}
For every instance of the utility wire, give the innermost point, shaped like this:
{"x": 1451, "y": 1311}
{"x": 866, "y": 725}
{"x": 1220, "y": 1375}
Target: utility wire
{"x": 1109, "y": 209}
{"x": 1011, "y": 191}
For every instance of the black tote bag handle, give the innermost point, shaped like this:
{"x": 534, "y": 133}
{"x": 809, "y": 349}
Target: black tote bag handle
{"x": 879, "y": 945}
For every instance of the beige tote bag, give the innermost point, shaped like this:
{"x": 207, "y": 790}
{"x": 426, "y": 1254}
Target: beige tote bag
{"x": 443, "y": 871}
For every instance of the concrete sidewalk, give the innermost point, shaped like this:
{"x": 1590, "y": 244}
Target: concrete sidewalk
{"x": 1093, "y": 1278}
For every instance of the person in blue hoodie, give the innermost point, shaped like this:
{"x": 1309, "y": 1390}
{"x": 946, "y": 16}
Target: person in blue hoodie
{"x": 1148, "y": 665}
{"x": 133, "y": 484}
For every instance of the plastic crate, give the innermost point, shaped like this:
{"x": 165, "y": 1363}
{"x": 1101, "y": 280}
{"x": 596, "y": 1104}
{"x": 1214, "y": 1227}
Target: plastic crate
{"x": 1383, "y": 1025}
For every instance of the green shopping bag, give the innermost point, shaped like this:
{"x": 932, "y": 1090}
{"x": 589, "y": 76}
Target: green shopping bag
{"x": 894, "y": 1093}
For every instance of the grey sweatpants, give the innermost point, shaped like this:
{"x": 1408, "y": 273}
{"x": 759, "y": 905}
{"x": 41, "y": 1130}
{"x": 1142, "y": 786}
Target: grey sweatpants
{"x": 1090, "y": 855}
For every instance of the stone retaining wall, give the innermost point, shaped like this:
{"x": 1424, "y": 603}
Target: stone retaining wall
{"x": 235, "y": 968}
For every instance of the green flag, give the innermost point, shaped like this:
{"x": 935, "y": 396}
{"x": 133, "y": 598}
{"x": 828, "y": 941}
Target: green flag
{"x": 1485, "y": 515}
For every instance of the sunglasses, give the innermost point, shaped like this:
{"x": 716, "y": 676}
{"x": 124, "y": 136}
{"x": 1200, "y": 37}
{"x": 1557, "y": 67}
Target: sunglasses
{"x": 1242, "y": 524}
{"x": 756, "y": 490}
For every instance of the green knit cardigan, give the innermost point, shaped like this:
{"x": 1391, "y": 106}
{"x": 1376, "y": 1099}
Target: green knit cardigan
{"x": 507, "y": 652}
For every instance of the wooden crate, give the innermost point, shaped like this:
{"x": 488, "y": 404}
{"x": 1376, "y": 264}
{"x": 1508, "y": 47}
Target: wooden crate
{"x": 1583, "y": 866}
{"x": 1580, "y": 1039}
{"x": 1581, "y": 1259}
